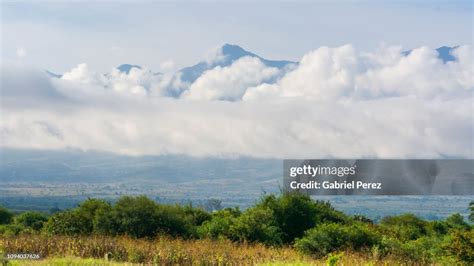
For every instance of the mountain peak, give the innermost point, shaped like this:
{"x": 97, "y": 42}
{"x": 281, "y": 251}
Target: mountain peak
{"x": 125, "y": 68}
{"x": 231, "y": 53}
{"x": 234, "y": 51}
{"x": 444, "y": 53}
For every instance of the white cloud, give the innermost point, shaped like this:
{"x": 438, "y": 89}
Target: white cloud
{"x": 214, "y": 55}
{"x": 334, "y": 73}
{"x": 336, "y": 103}
{"x": 230, "y": 83}
{"x": 167, "y": 66}
{"x": 20, "y": 52}
{"x": 82, "y": 74}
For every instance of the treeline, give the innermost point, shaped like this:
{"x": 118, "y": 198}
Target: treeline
{"x": 311, "y": 227}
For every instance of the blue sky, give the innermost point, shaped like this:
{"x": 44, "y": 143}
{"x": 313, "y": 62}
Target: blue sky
{"x": 57, "y": 36}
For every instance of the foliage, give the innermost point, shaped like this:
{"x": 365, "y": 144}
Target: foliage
{"x": 31, "y": 219}
{"x": 10, "y": 229}
{"x": 5, "y": 216}
{"x": 460, "y": 245}
{"x": 142, "y": 217}
{"x": 134, "y": 227}
{"x": 330, "y": 237}
{"x": 256, "y": 225}
{"x": 456, "y": 221}
{"x": 333, "y": 259}
{"x": 295, "y": 213}
{"x": 68, "y": 223}
{"x": 404, "y": 227}
{"x": 220, "y": 223}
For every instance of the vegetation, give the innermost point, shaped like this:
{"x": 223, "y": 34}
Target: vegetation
{"x": 278, "y": 229}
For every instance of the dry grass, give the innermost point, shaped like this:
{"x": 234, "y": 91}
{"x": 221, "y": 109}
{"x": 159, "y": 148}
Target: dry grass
{"x": 103, "y": 250}
{"x": 163, "y": 250}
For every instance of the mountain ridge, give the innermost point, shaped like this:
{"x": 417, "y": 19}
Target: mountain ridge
{"x": 233, "y": 52}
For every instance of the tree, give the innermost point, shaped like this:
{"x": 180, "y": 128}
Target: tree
{"x": 220, "y": 223}
{"x": 457, "y": 221}
{"x": 213, "y": 205}
{"x": 142, "y": 217}
{"x": 330, "y": 237}
{"x": 91, "y": 209}
{"x": 257, "y": 225}
{"x": 68, "y": 223}
{"x": 461, "y": 246}
{"x": 404, "y": 227}
{"x": 295, "y": 213}
{"x": 31, "y": 219}
{"x": 196, "y": 216}
{"x": 5, "y": 216}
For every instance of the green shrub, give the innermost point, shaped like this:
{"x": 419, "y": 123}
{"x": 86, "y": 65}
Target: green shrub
{"x": 31, "y": 219}
{"x": 220, "y": 223}
{"x": 404, "y": 227}
{"x": 256, "y": 225}
{"x": 196, "y": 216}
{"x": 142, "y": 217}
{"x": 424, "y": 249}
{"x": 11, "y": 229}
{"x": 330, "y": 237}
{"x": 362, "y": 218}
{"x": 456, "y": 221}
{"x": 295, "y": 213}
{"x": 5, "y": 216}
{"x": 68, "y": 222}
{"x": 333, "y": 259}
{"x": 460, "y": 246}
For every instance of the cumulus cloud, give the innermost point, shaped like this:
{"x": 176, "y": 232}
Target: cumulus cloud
{"x": 337, "y": 102}
{"x": 167, "y": 66}
{"x": 214, "y": 55}
{"x": 335, "y": 73}
{"x": 230, "y": 83}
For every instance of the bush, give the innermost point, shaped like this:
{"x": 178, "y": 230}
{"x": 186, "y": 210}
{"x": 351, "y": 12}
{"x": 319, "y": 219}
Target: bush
{"x": 295, "y": 213}
{"x": 5, "y": 216}
{"x": 456, "y": 221}
{"x": 220, "y": 223}
{"x": 330, "y": 237}
{"x": 11, "y": 229}
{"x": 256, "y": 225}
{"x": 404, "y": 227}
{"x": 68, "y": 223}
{"x": 142, "y": 217}
{"x": 31, "y": 219}
{"x": 460, "y": 246}
{"x": 423, "y": 249}
{"x": 196, "y": 216}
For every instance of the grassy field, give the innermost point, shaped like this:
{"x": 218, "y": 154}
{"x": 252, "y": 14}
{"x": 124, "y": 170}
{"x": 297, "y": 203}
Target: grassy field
{"x": 100, "y": 250}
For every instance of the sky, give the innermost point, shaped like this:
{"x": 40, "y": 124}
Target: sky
{"x": 354, "y": 93}
{"x": 164, "y": 35}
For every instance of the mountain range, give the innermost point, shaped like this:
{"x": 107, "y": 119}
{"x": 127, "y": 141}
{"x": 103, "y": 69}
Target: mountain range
{"x": 231, "y": 53}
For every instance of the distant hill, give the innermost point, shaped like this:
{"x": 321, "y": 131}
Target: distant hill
{"x": 444, "y": 53}
{"x": 230, "y": 53}
{"x": 125, "y": 68}
{"x": 72, "y": 166}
